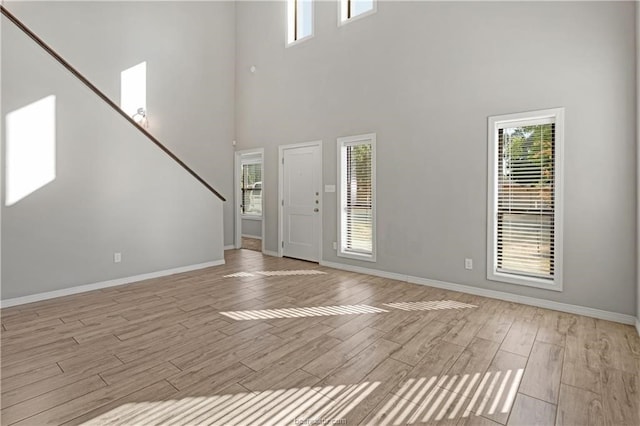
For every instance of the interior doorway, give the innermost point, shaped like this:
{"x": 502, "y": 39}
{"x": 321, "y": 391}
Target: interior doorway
{"x": 249, "y": 199}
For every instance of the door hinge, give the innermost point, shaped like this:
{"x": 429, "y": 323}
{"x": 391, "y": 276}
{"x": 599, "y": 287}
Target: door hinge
{"x": 283, "y": 202}
{"x": 283, "y": 244}
{"x": 282, "y": 160}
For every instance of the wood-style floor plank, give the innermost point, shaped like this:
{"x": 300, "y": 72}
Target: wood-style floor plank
{"x": 531, "y": 412}
{"x": 548, "y": 358}
{"x": 579, "y": 407}
{"x": 164, "y": 352}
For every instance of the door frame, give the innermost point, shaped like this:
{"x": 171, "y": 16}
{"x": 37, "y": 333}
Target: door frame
{"x": 281, "y": 150}
{"x": 237, "y": 172}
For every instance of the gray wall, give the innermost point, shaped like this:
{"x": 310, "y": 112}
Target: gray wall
{"x": 252, "y": 227}
{"x": 425, "y": 76}
{"x": 190, "y": 52}
{"x": 115, "y": 191}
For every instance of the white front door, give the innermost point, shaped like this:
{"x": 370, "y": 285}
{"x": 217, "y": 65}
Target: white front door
{"x": 301, "y": 202}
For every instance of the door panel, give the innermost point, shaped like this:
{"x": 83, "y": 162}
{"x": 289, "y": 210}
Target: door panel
{"x": 301, "y": 203}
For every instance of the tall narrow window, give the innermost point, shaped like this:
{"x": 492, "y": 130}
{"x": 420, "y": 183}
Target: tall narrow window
{"x": 525, "y": 203}
{"x": 251, "y": 187}
{"x": 133, "y": 89}
{"x": 300, "y": 13}
{"x": 357, "y": 197}
{"x": 350, "y": 9}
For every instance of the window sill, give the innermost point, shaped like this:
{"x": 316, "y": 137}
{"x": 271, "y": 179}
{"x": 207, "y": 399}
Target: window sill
{"x": 250, "y": 217}
{"x": 298, "y": 41}
{"x": 343, "y": 22}
{"x": 526, "y": 281}
{"x": 356, "y": 256}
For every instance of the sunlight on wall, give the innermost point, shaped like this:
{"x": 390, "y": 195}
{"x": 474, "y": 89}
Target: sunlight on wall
{"x": 316, "y": 311}
{"x": 418, "y": 400}
{"x": 133, "y": 89}
{"x": 30, "y": 149}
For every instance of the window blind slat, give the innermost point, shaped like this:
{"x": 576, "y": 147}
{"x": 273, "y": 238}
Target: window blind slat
{"x": 358, "y": 203}
{"x": 525, "y": 200}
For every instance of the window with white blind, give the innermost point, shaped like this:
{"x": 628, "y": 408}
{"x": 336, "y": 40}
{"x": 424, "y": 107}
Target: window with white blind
{"x": 351, "y": 9}
{"x": 357, "y": 197}
{"x": 525, "y": 204}
{"x": 300, "y": 20}
{"x": 251, "y": 188}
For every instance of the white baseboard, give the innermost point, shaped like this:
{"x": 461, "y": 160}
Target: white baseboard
{"x": 105, "y": 284}
{"x": 255, "y": 237}
{"x": 638, "y": 325}
{"x": 501, "y": 295}
{"x": 230, "y": 247}
{"x": 270, "y": 253}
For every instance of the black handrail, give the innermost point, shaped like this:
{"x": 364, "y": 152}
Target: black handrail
{"x": 101, "y": 95}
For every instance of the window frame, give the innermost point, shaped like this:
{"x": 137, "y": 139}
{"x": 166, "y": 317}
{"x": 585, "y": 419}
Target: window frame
{"x": 342, "y": 143}
{"x": 292, "y": 23}
{"x": 249, "y": 162}
{"x": 526, "y": 118}
{"x": 343, "y": 12}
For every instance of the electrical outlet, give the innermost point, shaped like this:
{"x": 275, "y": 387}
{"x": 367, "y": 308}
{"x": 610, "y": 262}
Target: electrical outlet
{"x": 468, "y": 264}
{"x": 335, "y": 245}
{"x": 117, "y": 257}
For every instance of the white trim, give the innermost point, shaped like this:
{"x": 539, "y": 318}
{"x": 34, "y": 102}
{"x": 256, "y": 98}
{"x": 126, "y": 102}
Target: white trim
{"x": 249, "y": 217}
{"x": 363, "y": 270}
{"x": 638, "y": 325}
{"x": 271, "y": 253}
{"x": 105, "y": 284}
{"x": 230, "y": 247}
{"x": 281, "y": 149}
{"x": 292, "y": 41}
{"x": 343, "y": 142}
{"x": 501, "y": 295}
{"x": 255, "y": 237}
{"x": 237, "y": 172}
{"x": 342, "y": 14}
{"x": 494, "y": 123}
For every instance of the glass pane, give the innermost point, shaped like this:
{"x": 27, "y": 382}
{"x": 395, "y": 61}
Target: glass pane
{"x": 358, "y": 198}
{"x": 526, "y": 244}
{"x": 526, "y": 186}
{"x": 252, "y": 189}
{"x": 360, "y": 6}
{"x": 305, "y": 18}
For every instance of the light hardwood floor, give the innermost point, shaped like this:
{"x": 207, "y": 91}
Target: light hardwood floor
{"x": 288, "y": 347}
{"x": 252, "y": 244}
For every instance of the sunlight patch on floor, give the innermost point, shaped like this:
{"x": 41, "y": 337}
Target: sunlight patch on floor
{"x": 240, "y": 275}
{"x": 443, "y": 398}
{"x": 429, "y": 305}
{"x": 284, "y": 273}
{"x": 270, "y": 407}
{"x": 315, "y": 311}
{"x": 417, "y": 400}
